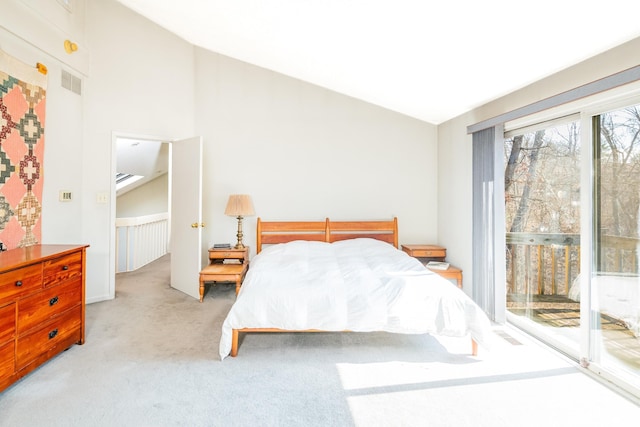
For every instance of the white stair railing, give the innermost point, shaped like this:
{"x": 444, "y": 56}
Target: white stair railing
{"x": 140, "y": 240}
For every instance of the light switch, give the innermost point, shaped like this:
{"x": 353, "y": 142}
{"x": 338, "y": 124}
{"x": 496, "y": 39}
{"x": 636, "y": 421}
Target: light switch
{"x": 102, "y": 197}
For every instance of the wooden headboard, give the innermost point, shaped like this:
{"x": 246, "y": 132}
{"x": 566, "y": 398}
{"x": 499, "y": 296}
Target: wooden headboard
{"x": 270, "y": 232}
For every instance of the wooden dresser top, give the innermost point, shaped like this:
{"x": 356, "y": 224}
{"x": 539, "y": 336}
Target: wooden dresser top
{"x": 16, "y": 258}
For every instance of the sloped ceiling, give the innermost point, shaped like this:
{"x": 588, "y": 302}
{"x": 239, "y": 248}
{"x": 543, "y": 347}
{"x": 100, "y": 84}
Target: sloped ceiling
{"x": 431, "y": 60}
{"x": 146, "y": 159}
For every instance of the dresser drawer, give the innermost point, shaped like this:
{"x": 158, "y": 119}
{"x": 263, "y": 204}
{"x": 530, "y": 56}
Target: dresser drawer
{"x": 48, "y": 303}
{"x": 47, "y": 337}
{"x": 63, "y": 268}
{"x": 20, "y": 281}
{"x": 7, "y": 359}
{"x": 7, "y": 322}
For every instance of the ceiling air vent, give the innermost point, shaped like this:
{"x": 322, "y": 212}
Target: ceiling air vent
{"x": 71, "y": 82}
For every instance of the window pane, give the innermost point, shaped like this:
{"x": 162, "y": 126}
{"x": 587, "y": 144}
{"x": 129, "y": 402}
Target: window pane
{"x": 615, "y": 285}
{"x": 542, "y": 207}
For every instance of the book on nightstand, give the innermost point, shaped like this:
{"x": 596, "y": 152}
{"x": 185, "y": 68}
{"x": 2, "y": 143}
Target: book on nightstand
{"x": 438, "y": 265}
{"x": 222, "y": 246}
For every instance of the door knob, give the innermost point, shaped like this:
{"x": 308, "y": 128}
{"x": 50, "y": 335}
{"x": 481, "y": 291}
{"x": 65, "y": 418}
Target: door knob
{"x": 196, "y": 225}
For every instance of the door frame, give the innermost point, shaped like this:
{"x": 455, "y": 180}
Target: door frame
{"x": 589, "y": 352}
{"x": 115, "y": 135}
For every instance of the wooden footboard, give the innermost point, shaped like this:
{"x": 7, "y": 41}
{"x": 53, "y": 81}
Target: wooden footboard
{"x": 235, "y": 335}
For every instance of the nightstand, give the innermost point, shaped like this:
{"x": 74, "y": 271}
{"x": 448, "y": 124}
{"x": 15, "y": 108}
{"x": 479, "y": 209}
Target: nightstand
{"x": 225, "y": 265}
{"x": 432, "y": 252}
{"x": 450, "y": 273}
{"x": 426, "y": 253}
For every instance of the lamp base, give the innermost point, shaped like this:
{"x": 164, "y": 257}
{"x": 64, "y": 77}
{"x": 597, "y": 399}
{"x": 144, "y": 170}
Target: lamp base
{"x": 239, "y": 245}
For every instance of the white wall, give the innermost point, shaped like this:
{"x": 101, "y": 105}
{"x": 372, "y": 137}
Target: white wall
{"x": 140, "y": 83}
{"x": 136, "y": 78}
{"x": 45, "y": 25}
{"x": 303, "y": 153}
{"x": 455, "y": 150}
{"x": 27, "y": 36}
{"x": 150, "y": 198}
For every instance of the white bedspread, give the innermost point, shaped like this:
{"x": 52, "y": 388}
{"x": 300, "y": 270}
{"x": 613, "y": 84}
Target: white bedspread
{"x": 360, "y": 285}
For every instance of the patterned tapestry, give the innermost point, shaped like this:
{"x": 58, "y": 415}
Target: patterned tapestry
{"x": 22, "y": 113}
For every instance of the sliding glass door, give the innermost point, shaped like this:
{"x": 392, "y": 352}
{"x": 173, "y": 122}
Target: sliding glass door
{"x": 615, "y": 281}
{"x": 592, "y": 315}
{"x": 542, "y": 218}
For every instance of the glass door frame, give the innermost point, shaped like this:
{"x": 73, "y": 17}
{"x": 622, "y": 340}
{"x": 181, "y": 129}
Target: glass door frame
{"x": 586, "y": 354}
{"x": 546, "y": 121}
{"x": 589, "y": 349}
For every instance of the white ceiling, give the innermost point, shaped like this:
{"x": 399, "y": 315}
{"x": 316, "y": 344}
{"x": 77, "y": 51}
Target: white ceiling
{"x": 431, "y": 60}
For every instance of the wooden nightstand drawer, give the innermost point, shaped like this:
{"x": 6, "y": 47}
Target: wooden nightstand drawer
{"x": 219, "y": 255}
{"x": 425, "y": 251}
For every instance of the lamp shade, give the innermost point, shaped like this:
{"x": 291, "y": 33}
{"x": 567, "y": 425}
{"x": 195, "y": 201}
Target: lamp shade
{"x": 239, "y": 205}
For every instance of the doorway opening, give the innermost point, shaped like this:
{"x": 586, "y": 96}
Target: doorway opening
{"x": 142, "y": 202}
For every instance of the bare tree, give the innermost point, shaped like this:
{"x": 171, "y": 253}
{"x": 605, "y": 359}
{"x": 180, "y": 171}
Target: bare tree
{"x": 519, "y": 219}
{"x": 619, "y": 164}
{"x": 512, "y": 162}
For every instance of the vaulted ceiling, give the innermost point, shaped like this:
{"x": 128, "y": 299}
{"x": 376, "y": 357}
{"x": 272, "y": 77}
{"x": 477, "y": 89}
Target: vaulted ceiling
{"x": 432, "y": 60}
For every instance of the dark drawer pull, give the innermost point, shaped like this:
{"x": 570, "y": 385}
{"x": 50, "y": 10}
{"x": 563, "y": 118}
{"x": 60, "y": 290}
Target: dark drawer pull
{"x": 53, "y": 334}
{"x": 65, "y": 267}
{"x": 19, "y": 283}
{"x": 53, "y": 301}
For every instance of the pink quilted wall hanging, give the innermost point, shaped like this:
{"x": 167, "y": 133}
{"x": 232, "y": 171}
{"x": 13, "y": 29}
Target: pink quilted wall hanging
{"x": 22, "y": 114}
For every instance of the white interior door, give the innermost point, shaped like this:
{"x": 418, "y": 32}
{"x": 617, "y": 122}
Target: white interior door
{"x": 186, "y": 215}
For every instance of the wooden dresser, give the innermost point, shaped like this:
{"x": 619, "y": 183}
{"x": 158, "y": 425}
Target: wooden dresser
{"x": 42, "y": 303}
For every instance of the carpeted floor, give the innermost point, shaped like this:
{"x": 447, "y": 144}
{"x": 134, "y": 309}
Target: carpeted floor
{"x": 150, "y": 359}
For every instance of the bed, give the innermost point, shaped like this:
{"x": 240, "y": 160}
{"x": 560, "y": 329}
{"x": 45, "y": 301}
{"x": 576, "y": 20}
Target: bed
{"x": 314, "y": 276}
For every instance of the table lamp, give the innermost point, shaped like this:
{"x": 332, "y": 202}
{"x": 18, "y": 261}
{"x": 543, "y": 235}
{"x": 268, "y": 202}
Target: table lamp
{"x": 239, "y": 205}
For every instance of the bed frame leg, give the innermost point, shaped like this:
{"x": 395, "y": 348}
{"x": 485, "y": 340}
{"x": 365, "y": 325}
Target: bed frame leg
{"x": 474, "y": 348}
{"x": 234, "y": 343}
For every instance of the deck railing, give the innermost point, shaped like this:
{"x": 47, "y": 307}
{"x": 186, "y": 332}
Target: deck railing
{"x": 547, "y": 263}
{"x": 140, "y": 240}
